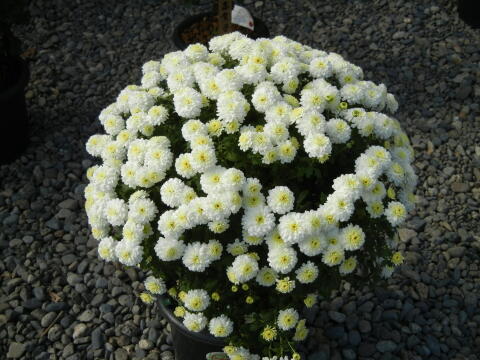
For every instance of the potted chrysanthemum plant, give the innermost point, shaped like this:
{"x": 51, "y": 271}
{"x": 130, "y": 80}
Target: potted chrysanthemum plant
{"x": 248, "y": 179}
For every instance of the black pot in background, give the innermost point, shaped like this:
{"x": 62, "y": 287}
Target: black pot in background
{"x": 189, "y": 345}
{"x": 469, "y": 13}
{"x": 260, "y": 29}
{"x": 13, "y": 112}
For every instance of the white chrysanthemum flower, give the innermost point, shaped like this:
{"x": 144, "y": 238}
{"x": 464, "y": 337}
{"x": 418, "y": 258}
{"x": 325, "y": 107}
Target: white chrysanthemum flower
{"x": 368, "y": 166}
{"x": 264, "y": 96}
{"x": 287, "y": 319}
{"x": 340, "y": 205}
{"x": 151, "y": 65}
{"x": 113, "y": 124}
{"x": 252, "y": 186}
{"x": 252, "y": 73}
{"x": 375, "y": 209}
{"x": 184, "y": 166}
{"x": 317, "y": 145}
{"x": 196, "y": 300}
{"x": 232, "y": 106}
{"x": 116, "y": 212}
{"x": 155, "y": 285}
{"x": 203, "y": 158}
{"x": 338, "y": 131}
{"x": 313, "y": 245}
{"x": 106, "y": 249}
{"x": 307, "y": 273}
{"x": 196, "y": 52}
{"x": 142, "y": 210}
{"x": 169, "y": 225}
{"x": 151, "y": 79}
{"x": 279, "y": 112}
{"x": 169, "y": 249}
{"x": 187, "y": 102}
{"x": 232, "y": 179}
{"x": 217, "y": 206}
{"x": 229, "y": 79}
{"x": 282, "y": 259}
{"x": 128, "y": 254}
{"x": 353, "y": 237}
{"x": 237, "y": 247}
{"x": 266, "y": 276}
{"x": 395, "y": 213}
{"x": 280, "y": 199}
{"x": 244, "y": 268}
{"x": 312, "y": 99}
{"x": 376, "y": 193}
{"x": 392, "y": 104}
{"x": 196, "y": 257}
{"x": 96, "y": 144}
{"x": 276, "y": 131}
{"x": 132, "y": 231}
{"x": 171, "y": 192}
{"x": 348, "y": 266}
{"x": 220, "y": 326}
{"x": 157, "y": 115}
{"x": 310, "y": 122}
{"x": 218, "y": 226}
{"x": 214, "y": 249}
{"x": 334, "y": 255}
{"x": 195, "y": 322}
{"x": 292, "y": 227}
{"x": 396, "y": 173}
{"x": 320, "y": 67}
{"x": 258, "y": 221}
{"x": 286, "y": 151}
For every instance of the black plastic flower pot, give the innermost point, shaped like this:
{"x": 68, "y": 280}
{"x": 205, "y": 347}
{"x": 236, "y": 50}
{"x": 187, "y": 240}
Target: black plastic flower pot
{"x": 468, "y": 12}
{"x": 189, "y": 345}
{"x": 14, "y": 118}
{"x": 260, "y": 29}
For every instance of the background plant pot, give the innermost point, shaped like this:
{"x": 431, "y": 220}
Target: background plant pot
{"x": 261, "y": 29}
{"x": 14, "y": 119}
{"x": 189, "y": 345}
{"x": 468, "y": 12}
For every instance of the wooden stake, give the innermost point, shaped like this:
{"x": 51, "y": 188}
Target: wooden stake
{"x": 224, "y": 12}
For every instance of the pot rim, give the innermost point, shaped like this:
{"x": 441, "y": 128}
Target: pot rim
{"x": 260, "y": 30}
{"x": 174, "y": 321}
{"x": 22, "y": 80}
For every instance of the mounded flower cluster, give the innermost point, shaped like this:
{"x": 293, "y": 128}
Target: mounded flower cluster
{"x": 250, "y": 178}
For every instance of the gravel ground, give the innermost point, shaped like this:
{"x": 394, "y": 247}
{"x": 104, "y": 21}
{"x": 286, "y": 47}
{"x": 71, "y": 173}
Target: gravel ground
{"x": 58, "y": 301}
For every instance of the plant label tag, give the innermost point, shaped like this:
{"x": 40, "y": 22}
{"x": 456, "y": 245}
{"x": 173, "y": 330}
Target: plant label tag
{"x": 242, "y": 17}
{"x": 217, "y": 356}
